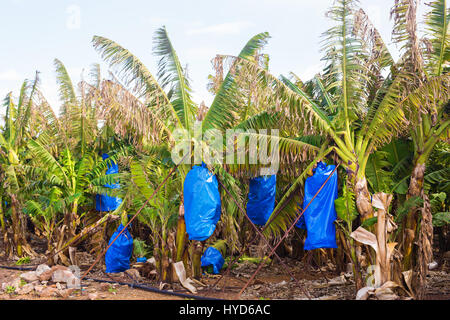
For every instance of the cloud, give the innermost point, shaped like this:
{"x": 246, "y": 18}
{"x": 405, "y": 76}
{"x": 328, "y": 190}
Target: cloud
{"x": 220, "y": 29}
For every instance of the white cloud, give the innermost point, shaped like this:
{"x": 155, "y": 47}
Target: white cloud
{"x": 220, "y": 29}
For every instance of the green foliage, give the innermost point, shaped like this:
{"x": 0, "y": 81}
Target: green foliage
{"x": 23, "y": 260}
{"x": 441, "y": 219}
{"x": 369, "y": 222}
{"x": 345, "y": 205}
{"x": 379, "y": 179}
{"x": 10, "y": 290}
{"x": 406, "y": 206}
{"x": 140, "y": 248}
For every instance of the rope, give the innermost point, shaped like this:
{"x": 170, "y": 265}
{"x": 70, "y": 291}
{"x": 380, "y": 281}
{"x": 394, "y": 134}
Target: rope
{"x": 135, "y": 215}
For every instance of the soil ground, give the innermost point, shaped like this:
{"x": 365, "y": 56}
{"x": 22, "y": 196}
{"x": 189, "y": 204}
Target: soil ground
{"x": 271, "y": 283}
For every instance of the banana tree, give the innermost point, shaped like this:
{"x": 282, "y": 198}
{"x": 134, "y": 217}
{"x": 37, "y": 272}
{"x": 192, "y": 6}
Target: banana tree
{"x": 166, "y": 100}
{"x": 363, "y": 110}
{"x": 160, "y": 215}
{"x": 63, "y": 191}
{"x": 427, "y": 61}
{"x": 13, "y": 139}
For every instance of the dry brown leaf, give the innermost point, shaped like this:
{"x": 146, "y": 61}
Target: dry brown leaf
{"x": 181, "y": 274}
{"x": 365, "y": 237}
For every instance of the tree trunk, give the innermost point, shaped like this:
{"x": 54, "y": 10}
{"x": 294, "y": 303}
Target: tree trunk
{"x": 425, "y": 249}
{"x": 18, "y": 227}
{"x": 410, "y": 221}
{"x": 181, "y": 235}
{"x": 2, "y": 217}
{"x": 359, "y": 186}
{"x": 363, "y": 199}
{"x": 196, "y": 259}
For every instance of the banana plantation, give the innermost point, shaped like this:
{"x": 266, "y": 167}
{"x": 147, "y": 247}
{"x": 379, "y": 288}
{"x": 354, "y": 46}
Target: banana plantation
{"x": 334, "y": 187}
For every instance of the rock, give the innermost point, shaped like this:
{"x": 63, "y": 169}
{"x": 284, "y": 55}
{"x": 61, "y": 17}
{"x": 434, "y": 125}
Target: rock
{"x": 60, "y": 286}
{"x": 364, "y": 293}
{"x": 26, "y": 289}
{"x": 281, "y": 284}
{"x": 48, "y": 292}
{"x": 133, "y": 273}
{"x": 65, "y": 293}
{"x": 433, "y": 265}
{"x": 46, "y": 274}
{"x": 337, "y": 281}
{"x": 73, "y": 282}
{"x": 60, "y": 267}
{"x": 39, "y": 289}
{"x": 92, "y": 296}
{"x": 29, "y": 276}
{"x": 41, "y": 269}
{"x": 65, "y": 276}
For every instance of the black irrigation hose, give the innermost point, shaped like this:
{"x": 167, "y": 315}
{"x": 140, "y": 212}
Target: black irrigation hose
{"x": 138, "y": 286}
{"x": 18, "y": 268}
{"x": 152, "y": 289}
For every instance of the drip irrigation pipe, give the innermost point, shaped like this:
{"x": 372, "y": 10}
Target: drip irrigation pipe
{"x": 155, "y": 290}
{"x": 131, "y": 285}
{"x": 18, "y": 268}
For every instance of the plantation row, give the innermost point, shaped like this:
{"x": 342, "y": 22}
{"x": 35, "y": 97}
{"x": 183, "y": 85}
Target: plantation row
{"x": 385, "y": 122}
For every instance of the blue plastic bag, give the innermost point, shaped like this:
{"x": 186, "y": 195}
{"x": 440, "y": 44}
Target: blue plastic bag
{"x": 117, "y": 258}
{"x": 261, "y": 198}
{"x": 104, "y": 202}
{"x": 213, "y": 257}
{"x": 320, "y": 215}
{"x": 201, "y": 203}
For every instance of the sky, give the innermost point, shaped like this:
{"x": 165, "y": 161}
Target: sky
{"x": 35, "y": 32}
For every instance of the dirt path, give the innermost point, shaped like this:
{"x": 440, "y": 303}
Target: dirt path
{"x": 271, "y": 283}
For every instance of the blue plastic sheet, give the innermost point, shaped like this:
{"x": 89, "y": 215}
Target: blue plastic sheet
{"x": 213, "y": 257}
{"x": 117, "y": 258}
{"x": 201, "y": 203}
{"x": 261, "y": 198}
{"x": 319, "y": 217}
{"x": 104, "y": 202}
{"x": 142, "y": 259}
